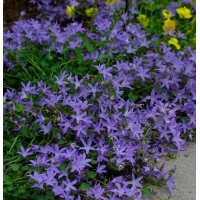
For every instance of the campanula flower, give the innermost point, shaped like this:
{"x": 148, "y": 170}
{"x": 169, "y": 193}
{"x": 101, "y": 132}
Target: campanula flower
{"x": 24, "y": 152}
{"x": 70, "y": 11}
{"x": 46, "y": 129}
{"x": 91, "y": 11}
{"x": 170, "y": 184}
{"x": 174, "y": 42}
{"x": 184, "y": 12}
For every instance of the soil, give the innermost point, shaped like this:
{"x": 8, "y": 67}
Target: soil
{"x": 12, "y": 10}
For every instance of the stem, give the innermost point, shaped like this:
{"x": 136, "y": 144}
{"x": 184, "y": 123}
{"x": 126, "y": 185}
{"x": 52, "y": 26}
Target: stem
{"x": 11, "y": 158}
{"x": 79, "y": 13}
{"x": 14, "y": 143}
{"x": 11, "y": 53}
{"x": 12, "y": 76}
{"x": 11, "y": 162}
{"x": 6, "y": 86}
{"x": 32, "y": 141}
{"x": 35, "y": 64}
{"x": 19, "y": 178}
{"x": 149, "y": 128}
{"x": 101, "y": 182}
{"x": 145, "y": 88}
{"x": 25, "y": 71}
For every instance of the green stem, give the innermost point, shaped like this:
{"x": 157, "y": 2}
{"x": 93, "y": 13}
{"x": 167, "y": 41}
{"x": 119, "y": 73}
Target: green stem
{"x": 32, "y": 141}
{"x": 25, "y": 70}
{"x": 35, "y": 64}
{"x": 6, "y": 86}
{"x": 11, "y": 162}
{"x": 80, "y": 13}
{"x": 145, "y": 88}
{"x": 11, "y": 53}
{"x": 14, "y": 143}
{"x": 101, "y": 182}
{"x": 19, "y": 178}
{"x": 12, "y": 75}
{"x": 11, "y": 158}
{"x": 149, "y": 128}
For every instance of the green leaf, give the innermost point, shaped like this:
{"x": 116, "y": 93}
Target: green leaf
{"x": 24, "y": 131}
{"x": 15, "y": 167}
{"x": 113, "y": 166}
{"x": 80, "y": 58}
{"x": 112, "y": 93}
{"x": 91, "y": 174}
{"x": 10, "y": 187}
{"x": 65, "y": 51}
{"x": 25, "y": 168}
{"x": 147, "y": 191}
{"x": 80, "y": 35}
{"x": 110, "y": 140}
{"x": 93, "y": 152}
{"x": 93, "y": 161}
{"x": 159, "y": 89}
{"x": 21, "y": 190}
{"x": 132, "y": 97}
{"x": 44, "y": 63}
{"x": 89, "y": 47}
{"x": 81, "y": 68}
{"x": 37, "y": 169}
{"x": 19, "y": 107}
{"x": 7, "y": 143}
{"x": 84, "y": 186}
{"x": 62, "y": 167}
{"x": 7, "y": 180}
{"x": 49, "y": 196}
{"x": 15, "y": 174}
{"x": 49, "y": 57}
{"x": 30, "y": 134}
{"x": 27, "y": 133}
{"x": 101, "y": 44}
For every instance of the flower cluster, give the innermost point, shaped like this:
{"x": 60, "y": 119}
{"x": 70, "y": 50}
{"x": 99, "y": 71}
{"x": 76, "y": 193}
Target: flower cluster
{"x": 103, "y": 130}
{"x": 103, "y": 127}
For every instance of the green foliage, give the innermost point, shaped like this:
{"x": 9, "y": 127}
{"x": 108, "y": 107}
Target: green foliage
{"x": 19, "y": 107}
{"x": 91, "y": 174}
{"x": 132, "y": 97}
{"x": 84, "y": 186}
{"x": 113, "y": 166}
{"x": 147, "y": 191}
{"x": 42, "y": 65}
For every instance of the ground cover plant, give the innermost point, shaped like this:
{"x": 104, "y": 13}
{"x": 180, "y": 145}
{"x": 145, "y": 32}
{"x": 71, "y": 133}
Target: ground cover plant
{"x": 95, "y": 92}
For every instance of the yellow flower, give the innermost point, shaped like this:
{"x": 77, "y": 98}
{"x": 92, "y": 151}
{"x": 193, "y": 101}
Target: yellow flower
{"x": 174, "y": 42}
{"x": 166, "y": 14}
{"x": 184, "y": 12}
{"x": 111, "y": 2}
{"x": 169, "y": 25}
{"x": 91, "y": 12}
{"x": 70, "y": 11}
{"x": 143, "y": 20}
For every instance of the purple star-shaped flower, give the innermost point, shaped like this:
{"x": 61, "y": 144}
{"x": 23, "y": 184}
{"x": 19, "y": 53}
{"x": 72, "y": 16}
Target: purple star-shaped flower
{"x": 46, "y": 129}
{"x": 24, "y": 152}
